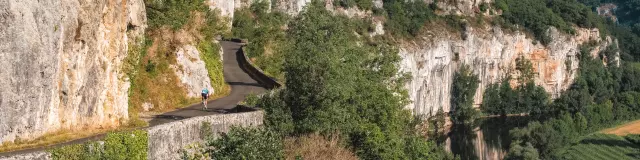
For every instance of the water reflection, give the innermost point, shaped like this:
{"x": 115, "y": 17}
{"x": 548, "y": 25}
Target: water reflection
{"x": 462, "y": 141}
{"x": 486, "y": 141}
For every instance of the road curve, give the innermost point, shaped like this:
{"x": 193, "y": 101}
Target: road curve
{"x": 242, "y": 84}
{"x": 235, "y": 74}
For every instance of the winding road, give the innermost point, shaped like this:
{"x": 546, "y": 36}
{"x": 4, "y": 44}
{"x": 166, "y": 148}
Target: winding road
{"x": 236, "y": 74}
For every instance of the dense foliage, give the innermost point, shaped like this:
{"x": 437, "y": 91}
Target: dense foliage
{"x": 502, "y": 99}
{"x": 465, "y": 84}
{"x": 595, "y": 101}
{"x": 265, "y": 34}
{"x": 538, "y": 15}
{"x": 247, "y": 143}
{"x": 361, "y": 4}
{"x": 117, "y": 146}
{"x": 406, "y": 18}
{"x": 172, "y": 13}
{"x": 339, "y": 83}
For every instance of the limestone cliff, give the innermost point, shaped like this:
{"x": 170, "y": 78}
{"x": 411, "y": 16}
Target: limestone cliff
{"x": 459, "y": 7}
{"x": 191, "y": 71}
{"x": 62, "y": 64}
{"x": 491, "y": 53}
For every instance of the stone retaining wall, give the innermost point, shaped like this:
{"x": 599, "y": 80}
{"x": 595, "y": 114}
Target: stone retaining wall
{"x": 166, "y": 140}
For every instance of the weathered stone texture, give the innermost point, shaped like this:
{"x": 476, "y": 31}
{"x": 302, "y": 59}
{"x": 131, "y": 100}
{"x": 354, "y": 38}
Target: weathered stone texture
{"x": 40, "y": 155}
{"x": 459, "y": 7}
{"x": 491, "y": 54}
{"x": 62, "y": 64}
{"x": 166, "y": 140}
{"x": 192, "y": 71}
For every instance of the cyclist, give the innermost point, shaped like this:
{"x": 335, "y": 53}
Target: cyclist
{"x": 205, "y": 95}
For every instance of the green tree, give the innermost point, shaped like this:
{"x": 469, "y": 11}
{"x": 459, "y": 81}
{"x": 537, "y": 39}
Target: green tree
{"x": 339, "y": 82}
{"x": 464, "y": 88}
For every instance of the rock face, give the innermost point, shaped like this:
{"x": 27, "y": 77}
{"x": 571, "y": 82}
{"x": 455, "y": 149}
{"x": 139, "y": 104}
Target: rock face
{"x": 62, "y": 64}
{"x": 226, "y": 7}
{"x": 291, "y": 7}
{"x": 38, "y": 155}
{"x": 192, "y": 71}
{"x": 459, "y": 7}
{"x": 491, "y": 53}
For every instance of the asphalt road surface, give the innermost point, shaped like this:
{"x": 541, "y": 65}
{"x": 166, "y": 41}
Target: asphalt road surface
{"x": 242, "y": 84}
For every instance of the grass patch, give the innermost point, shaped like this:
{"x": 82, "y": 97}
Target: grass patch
{"x": 52, "y": 138}
{"x": 603, "y": 146}
{"x": 209, "y": 54}
{"x": 635, "y": 64}
{"x": 154, "y": 81}
{"x": 122, "y": 145}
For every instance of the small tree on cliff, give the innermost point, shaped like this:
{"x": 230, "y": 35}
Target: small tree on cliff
{"x": 464, "y": 88}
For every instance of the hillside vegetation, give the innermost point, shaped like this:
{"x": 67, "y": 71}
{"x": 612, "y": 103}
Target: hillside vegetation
{"x": 339, "y": 81}
{"x": 172, "y": 24}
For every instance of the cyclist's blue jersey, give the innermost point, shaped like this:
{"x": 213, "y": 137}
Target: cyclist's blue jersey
{"x": 205, "y": 91}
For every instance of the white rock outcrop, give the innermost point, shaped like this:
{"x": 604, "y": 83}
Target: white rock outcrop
{"x": 192, "y": 71}
{"x": 491, "y": 54}
{"x": 61, "y": 64}
{"x": 226, "y": 7}
{"x": 459, "y": 7}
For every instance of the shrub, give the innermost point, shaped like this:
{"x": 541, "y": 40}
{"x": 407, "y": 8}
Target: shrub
{"x": 117, "y": 146}
{"x": 247, "y": 143}
{"x": 265, "y": 33}
{"x": 406, "y": 18}
{"x": 484, "y": 6}
{"x": 172, "y": 13}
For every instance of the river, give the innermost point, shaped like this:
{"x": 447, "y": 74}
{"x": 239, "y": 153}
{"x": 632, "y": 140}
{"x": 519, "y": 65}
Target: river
{"x": 489, "y": 140}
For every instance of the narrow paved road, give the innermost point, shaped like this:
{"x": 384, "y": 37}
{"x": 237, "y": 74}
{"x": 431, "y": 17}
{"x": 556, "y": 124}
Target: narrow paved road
{"x": 242, "y": 84}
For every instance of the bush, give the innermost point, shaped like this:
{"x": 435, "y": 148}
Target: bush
{"x": 538, "y": 15}
{"x": 172, "y": 13}
{"x": 247, "y": 143}
{"x": 484, "y": 6}
{"x": 117, "y": 146}
{"x": 406, "y": 18}
{"x": 266, "y": 36}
